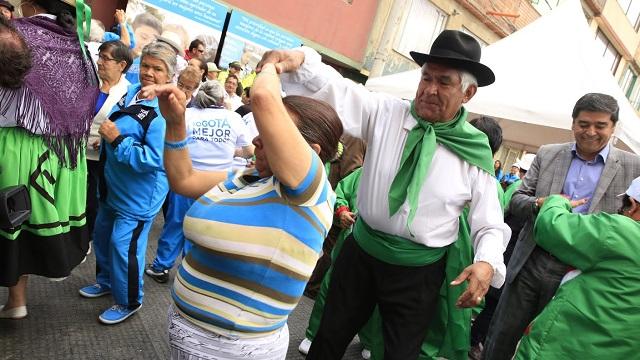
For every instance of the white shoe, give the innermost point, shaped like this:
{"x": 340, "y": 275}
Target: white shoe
{"x": 15, "y": 313}
{"x": 366, "y": 354}
{"x": 304, "y": 346}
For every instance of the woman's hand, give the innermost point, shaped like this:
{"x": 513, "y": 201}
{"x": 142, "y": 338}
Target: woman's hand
{"x": 172, "y": 103}
{"x": 109, "y": 131}
{"x": 120, "y": 17}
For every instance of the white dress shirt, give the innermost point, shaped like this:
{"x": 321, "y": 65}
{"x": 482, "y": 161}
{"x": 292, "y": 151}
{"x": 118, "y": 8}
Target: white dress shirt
{"x": 451, "y": 183}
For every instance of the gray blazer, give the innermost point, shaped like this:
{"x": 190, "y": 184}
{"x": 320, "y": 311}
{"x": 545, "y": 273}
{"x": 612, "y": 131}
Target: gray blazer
{"x": 546, "y": 176}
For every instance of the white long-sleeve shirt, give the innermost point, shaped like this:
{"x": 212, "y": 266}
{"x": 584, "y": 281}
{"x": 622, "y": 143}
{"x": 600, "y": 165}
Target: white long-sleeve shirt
{"x": 451, "y": 183}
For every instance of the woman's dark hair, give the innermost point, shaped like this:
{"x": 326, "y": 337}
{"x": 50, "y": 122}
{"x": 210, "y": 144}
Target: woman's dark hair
{"x": 119, "y": 52}
{"x": 203, "y": 67}
{"x": 248, "y": 91}
{"x": 239, "y": 89}
{"x": 195, "y": 43}
{"x": 318, "y": 123}
{"x": 15, "y": 56}
{"x": 65, "y": 13}
{"x": 499, "y": 167}
{"x": 626, "y": 204}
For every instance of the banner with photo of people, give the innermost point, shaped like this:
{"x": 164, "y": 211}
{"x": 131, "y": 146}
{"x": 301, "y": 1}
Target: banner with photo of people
{"x": 188, "y": 19}
{"x": 248, "y": 38}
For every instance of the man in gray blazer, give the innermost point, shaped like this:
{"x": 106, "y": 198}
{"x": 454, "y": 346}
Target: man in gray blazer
{"x": 589, "y": 169}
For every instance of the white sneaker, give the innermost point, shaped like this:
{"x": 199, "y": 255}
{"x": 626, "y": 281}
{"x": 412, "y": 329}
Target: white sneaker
{"x": 366, "y": 354}
{"x": 304, "y": 346}
{"x": 18, "y": 312}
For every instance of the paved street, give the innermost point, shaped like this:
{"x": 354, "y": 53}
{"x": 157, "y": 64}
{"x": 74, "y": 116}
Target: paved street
{"x": 62, "y": 325}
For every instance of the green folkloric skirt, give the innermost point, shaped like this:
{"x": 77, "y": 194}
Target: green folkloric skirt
{"x": 55, "y": 239}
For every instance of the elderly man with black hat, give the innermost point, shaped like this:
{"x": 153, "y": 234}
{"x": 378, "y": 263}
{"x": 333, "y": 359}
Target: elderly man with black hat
{"x": 424, "y": 164}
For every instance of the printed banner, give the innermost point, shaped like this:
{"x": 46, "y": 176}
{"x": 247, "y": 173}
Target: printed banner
{"x": 248, "y": 38}
{"x": 188, "y": 19}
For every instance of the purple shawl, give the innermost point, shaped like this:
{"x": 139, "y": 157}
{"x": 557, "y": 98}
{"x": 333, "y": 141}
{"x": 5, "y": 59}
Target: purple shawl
{"x": 58, "y": 97}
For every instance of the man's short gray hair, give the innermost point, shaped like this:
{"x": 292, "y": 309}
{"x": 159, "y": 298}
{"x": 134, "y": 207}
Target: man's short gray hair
{"x": 163, "y": 52}
{"x": 466, "y": 80}
{"x": 210, "y": 93}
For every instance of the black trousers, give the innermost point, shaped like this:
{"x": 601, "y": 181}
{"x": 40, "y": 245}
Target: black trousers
{"x": 94, "y": 174}
{"x": 406, "y": 296}
{"x": 521, "y": 301}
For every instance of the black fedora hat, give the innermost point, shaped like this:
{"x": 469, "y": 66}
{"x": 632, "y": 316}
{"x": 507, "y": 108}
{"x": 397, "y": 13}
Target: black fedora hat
{"x": 458, "y": 50}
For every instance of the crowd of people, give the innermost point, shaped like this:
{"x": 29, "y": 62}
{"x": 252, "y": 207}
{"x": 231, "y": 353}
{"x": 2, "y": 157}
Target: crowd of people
{"x": 425, "y": 249}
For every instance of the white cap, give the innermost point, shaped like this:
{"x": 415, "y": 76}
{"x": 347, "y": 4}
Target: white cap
{"x": 634, "y": 189}
{"x": 172, "y": 39}
{"x": 525, "y": 162}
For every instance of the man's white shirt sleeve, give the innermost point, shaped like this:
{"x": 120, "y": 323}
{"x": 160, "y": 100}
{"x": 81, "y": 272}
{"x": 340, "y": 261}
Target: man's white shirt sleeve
{"x": 384, "y": 123}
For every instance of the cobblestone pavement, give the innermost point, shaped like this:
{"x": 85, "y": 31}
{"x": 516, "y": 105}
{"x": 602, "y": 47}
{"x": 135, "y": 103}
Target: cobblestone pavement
{"x": 62, "y": 325}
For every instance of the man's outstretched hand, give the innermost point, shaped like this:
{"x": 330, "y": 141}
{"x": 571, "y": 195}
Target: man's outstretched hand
{"x": 479, "y": 276}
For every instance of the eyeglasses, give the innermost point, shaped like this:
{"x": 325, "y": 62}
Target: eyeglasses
{"x": 186, "y": 88}
{"x": 104, "y": 58}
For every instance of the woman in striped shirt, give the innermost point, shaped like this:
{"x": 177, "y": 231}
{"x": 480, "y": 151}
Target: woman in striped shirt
{"x": 257, "y": 234}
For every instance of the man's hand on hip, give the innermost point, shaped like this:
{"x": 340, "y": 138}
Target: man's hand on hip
{"x": 479, "y": 276}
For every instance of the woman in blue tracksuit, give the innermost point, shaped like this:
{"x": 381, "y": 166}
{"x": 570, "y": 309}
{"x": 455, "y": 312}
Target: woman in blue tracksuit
{"x": 134, "y": 189}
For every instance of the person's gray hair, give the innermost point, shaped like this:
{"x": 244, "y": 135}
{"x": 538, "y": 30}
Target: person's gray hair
{"x": 466, "y": 78}
{"x": 163, "y": 52}
{"x": 210, "y": 93}
{"x": 96, "y": 34}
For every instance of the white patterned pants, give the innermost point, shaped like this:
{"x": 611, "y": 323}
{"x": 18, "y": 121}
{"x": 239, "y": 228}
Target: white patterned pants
{"x": 188, "y": 341}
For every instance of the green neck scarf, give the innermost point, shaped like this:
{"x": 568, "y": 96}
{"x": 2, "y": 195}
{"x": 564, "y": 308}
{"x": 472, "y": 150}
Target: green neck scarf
{"x": 457, "y": 135}
{"x": 83, "y": 23}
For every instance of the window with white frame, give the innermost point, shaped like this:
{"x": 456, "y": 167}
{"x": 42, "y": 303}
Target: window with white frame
{"x": 610, "y": 55}
{"x": 423, "y": 22}
{"x": 627, "y": 81}
{"x": 635, "y": 99}
{"x": 468, "y": 32}
{"x": 631, "y": 8}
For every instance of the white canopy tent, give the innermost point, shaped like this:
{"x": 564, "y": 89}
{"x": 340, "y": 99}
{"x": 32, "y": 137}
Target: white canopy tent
{"x": 541, "y": 71}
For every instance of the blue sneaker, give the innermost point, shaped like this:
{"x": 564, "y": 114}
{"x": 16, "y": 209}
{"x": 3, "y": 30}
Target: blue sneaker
{"x": 94, "y": 291}
{"x": 117, "y": 314}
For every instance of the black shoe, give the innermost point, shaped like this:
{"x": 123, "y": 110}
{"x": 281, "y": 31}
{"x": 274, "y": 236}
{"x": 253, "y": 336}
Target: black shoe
{"x": 161, "y": 276}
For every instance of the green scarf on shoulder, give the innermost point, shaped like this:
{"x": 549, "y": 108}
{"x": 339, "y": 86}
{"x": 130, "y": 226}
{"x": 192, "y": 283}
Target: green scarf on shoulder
{"x": 457, "y": 135}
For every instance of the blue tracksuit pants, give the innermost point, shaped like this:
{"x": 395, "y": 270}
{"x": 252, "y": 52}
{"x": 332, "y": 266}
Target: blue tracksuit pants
{"x": 172, "y": 240}
{"x": 120, "y": 243}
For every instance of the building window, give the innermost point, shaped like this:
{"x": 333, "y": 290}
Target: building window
{"x": 422, "y": 25}
{"x": 627, "y": 81}
{"x": 468, "y": 32}
{"x": 610, "y": 55}
{"x": 631, "y": 8}
{"x": 635, "y": 99}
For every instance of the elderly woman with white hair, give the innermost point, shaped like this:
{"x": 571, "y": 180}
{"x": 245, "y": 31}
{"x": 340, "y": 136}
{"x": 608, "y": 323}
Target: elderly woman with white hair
{"x": 216, "y": 135}
{"x": 134, "y": 189}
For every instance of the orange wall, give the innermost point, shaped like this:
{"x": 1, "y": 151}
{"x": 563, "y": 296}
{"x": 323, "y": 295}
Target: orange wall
{"x": 335, "y": 24}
